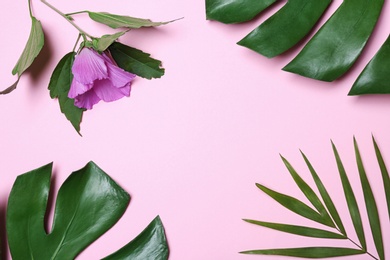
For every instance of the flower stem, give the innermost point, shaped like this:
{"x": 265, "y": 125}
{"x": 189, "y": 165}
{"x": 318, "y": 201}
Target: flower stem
{"x": 77, "y": 41}
{"x": 82, "y": 32}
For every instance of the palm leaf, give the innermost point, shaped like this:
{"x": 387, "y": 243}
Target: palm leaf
{"x": 308, "y": 252}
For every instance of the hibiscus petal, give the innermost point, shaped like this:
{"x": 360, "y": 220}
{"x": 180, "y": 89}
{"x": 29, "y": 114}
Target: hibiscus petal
{"x": 86, "y": 100}
{"x": 106, "y": 91}
{"x": 76, "y": 88}
{"x": 89, "y": 66}
{"x": 118, "y": 76}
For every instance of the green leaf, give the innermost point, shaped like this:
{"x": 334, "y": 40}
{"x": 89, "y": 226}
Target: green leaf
{"x": 385, "y": 174}
{"x": 334, "y": 48}
{"x": 10, "y": 88}
{"x": 375, "y": 77}
{"x": 294, "y": 205}
{"x": 59, "y": 86}
{"x": 88, "y": 204}
{"x": 372, "y": 209}
{"x": 325, "y": 196}
{"x": 136, "y": 61}
{"x": 149, "y": 244}
{"x": 297, "y": 230}
{"x": 351, "y": 200}
{"x": 308, "y": 252}
{"x": 120, "y": 21}
{"x": 309, "y": 193}
{"x": 285, "y": 28}
{"x": 228, "y": 11}
{"x": 102, "y": 43}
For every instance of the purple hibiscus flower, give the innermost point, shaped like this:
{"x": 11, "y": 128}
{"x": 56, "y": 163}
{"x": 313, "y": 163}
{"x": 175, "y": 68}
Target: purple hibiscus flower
{"x": 97, "y": 77}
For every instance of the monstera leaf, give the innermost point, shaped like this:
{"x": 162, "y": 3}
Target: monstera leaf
{"x": 326, "y": 213}
{"x": 88, "y": 204}
{"x": 329, "y": 54}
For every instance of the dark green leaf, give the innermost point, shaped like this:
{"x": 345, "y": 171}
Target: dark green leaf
{"x": 308, "y": 252}
{"x": 237, "y": 11}
{"x": 375, "y": 78}
{"x": 285, "y": 28}
{"x": 88, "y": 204}
{"x": 325, "y": 196}
{"x": 335, "y": 48}
{"x": 385, "y": 174}
{"x": 309, "y": 193}
{"x": 59, "y": 86}
{"x": 10, "y": 88}
{"x": 102, "y": 43}
{"x": 298, "y": 230}
{"x": 351, "y": 200}
{"x": 136, "y": 61}
{"x": 294, "y": 205}
{"x": 120, "y": 21}
{"x": 149, "y": 244}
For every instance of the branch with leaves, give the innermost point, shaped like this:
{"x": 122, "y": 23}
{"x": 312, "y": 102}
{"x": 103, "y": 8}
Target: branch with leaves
{"x": 325, "y": 212}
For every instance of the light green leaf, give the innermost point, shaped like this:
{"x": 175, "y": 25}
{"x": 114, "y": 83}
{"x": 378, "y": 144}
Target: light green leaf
{"x": 102, "y": 43}
{"x": 297, "y": 230}
{"x": 351, "y": 200}
{"x": 149, "y": 244}
{"x": 308, "y": 252}
{"x": 136, "y": 61}
{"x": 121, "y": 21}
{"x": 59, "y": 86}
{"x": 294, "y": 205}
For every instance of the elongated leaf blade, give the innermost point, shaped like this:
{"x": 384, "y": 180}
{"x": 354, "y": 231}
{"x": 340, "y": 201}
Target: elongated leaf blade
{"x": 136, "y": 61}
{"x": 59, "y": 86}
{"x": 372, "y": 209}
{"x": 385, "y": 174}
{"x": 309, "y": 193}
{"x": 122, "y": 21}
{"x": 351, "y": 200}
{"x": 325, "y": 196}
{"x": 308, "y": 252}
{"x": 236, "y": 11}
{"x": 297, "y": 230}
{"x": 293, "y": 204}
{"x": 102, "y": 43}
{"x": 149, "y": 244}
{"x": 334, "y": 48}
{"x": 375, "y": 77}
{"x": 285, "y": 28}
{"x": 10, "y": 88}
{"x": 88, "y": 204}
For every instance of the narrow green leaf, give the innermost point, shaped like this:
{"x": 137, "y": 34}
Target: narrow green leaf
{"x": 149, "y": 244}
{"x": 375, "y": 77}
{"x": 309, "y": 193}
{"x": 59, "y": 86}
{"x": 121, "y": 21}
{"x": 136, "y": 61}
{"x": 351, "y": 200}
{"x": 228, "y": 11}
{"x": 102, "y": 43}
{"x": 10, "y": 88}
{"x": 372, "y": 209}
{"x": 335, "y": 48}
{"x": 308, "y": 252}
{"x": 294, "y": 205}
{"x": 385, "y": 174}
{"x": 285, "y": 28}
{"x": 298, "y": 230}
{"x": 325, "y": 196}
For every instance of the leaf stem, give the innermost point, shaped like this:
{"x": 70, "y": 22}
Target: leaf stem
{"x": 77, "y": 41}
{"x": 356, "y": 244}
{"x": 79, "y": 12}
{"x": 29, "y": 8}
{"x": 82, "y": 32}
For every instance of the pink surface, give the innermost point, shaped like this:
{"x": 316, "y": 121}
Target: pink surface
{"x": 190, "y": 146}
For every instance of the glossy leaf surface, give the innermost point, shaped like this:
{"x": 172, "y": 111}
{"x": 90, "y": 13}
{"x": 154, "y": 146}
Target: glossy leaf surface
{"x": 375, "y": 78}
{"x": 334, "y": 48}
{"x": 136, "y": 61}
{"x": 121, "y": 21}
{"x": 235, "y": 11}
{"x": 285, "y": 28}
{"x": 308, "y": 252}
{"x": 88, "y": 204}
{"x": 59, "y": 86}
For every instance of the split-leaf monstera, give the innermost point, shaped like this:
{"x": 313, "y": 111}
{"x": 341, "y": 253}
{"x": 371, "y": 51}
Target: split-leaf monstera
{"x": 88, "y": 204}
{"x": 330, "y": 53}
{"x": 326, "y": 213}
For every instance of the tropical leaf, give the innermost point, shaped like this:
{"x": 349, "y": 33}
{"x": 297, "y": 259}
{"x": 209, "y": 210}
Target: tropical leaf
{"x": 88, "y": 204}
{"x": 339, "y": 230}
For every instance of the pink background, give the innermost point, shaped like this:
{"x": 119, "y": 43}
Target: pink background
{"x": 191, "y": 146}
